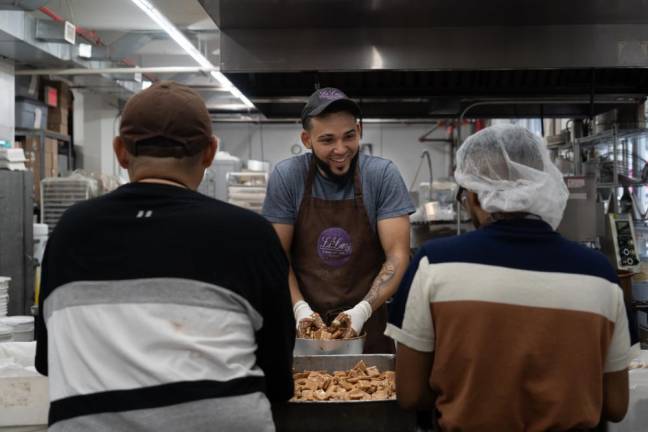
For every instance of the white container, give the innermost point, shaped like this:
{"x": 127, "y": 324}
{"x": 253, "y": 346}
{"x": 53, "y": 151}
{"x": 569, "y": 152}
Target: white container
{"x": 4, "y": 295}
{"x": 22, "y": 327}
{"x": 257, "y": 165}
{"x": 40, "y": 240}
{"x": 5, "y": 333}
{"x": 24, "y": 401}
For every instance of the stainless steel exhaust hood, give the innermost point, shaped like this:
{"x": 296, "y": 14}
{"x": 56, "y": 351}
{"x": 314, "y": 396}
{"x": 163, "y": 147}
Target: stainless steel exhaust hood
{"x": 450, "y": 53}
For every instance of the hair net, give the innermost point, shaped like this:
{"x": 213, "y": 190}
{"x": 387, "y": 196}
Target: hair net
{"x": 509, "y": 169}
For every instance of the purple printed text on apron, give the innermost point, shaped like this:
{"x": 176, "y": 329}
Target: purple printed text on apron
{"x": 334, "y": 246}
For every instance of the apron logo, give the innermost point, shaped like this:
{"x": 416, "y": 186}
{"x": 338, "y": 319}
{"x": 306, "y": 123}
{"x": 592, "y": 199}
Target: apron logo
{"x": 334, "y": 246}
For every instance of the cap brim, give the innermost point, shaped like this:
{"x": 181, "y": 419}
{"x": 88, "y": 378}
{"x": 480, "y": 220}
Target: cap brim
{"x": 353, "y": 107}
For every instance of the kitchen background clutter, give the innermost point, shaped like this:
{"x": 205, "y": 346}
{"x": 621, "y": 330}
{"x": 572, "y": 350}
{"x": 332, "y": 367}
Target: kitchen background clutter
{"x": 68, "y": 66}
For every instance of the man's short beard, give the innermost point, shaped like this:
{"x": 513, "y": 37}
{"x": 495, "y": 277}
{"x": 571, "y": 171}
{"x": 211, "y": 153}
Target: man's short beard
{"x": 340, "y": 179}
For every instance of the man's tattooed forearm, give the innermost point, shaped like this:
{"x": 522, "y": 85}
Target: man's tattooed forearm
{"x": 381, "y": 281}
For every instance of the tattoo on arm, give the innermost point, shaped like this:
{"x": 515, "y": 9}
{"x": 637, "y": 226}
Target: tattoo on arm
{"x": 381, "y": 281}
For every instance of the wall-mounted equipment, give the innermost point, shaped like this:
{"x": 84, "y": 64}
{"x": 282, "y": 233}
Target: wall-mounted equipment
{"x": 54, "y": 31}
{"x": 624, "y": 242}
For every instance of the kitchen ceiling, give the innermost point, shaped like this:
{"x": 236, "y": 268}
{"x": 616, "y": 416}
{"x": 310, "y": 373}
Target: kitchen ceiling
{"x": 421, "y": 59}
{"x": 400, "y": 59}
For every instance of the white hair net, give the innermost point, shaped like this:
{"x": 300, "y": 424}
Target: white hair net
{"x": 509, "y": 169}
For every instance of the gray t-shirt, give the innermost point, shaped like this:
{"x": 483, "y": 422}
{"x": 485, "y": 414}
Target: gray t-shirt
{"x": 384, "y": 192}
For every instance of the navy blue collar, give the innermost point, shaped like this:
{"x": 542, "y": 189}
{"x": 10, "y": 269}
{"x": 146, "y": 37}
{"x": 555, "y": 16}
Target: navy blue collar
{"x": 518, "y": 226}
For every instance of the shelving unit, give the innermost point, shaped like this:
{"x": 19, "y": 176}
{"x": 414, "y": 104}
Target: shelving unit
{"x": 44, "y": 133}
{"x": 247, "y": 189}
{"x": 58, "y": 194}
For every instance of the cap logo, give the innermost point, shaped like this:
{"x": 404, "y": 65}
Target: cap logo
{"x": 331, "y": 94}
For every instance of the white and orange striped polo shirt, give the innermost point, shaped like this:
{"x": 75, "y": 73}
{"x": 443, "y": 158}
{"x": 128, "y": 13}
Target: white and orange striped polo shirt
{"x": 522, "y": 322}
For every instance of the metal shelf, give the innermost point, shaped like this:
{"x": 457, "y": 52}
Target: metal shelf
{"x": 592, "y": 139}
{"x": 560, "y": 146}
{"x": 607, "y": 185}
{"x": 57, "y": 136}
{"x": 45, "y": 132}
{"x": 596, "y": 139}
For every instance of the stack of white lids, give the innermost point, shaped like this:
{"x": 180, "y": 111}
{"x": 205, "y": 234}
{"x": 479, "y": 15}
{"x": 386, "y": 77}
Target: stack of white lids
{"x": 5, "y": 334}
{"x": 12, "y": 159}
{"x": 22, "y": 327}
{"x": 4, "y": 295}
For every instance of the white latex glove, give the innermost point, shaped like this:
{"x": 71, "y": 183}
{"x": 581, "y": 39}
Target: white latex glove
{"x": 359, "y": 315}
{"x": 302, "y": 310}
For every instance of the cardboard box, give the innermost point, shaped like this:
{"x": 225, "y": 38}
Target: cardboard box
{"x": 24, "y": 401}
{"x": 57, "y": 120}
{"x": 64, "y": 93}
{"x": 32, "y": 154}
{"x": 51, "y": 157}
{"x": 31, "y": 147}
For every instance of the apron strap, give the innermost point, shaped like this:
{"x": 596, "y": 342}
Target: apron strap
{"x": 357, "y": 184}
{"x": 310, "y": 178}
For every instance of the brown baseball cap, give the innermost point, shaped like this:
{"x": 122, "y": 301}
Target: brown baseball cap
{"x": 167, "y": 119}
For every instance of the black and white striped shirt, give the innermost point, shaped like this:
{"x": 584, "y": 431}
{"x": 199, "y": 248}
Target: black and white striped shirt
{"x": 163, "y": 309}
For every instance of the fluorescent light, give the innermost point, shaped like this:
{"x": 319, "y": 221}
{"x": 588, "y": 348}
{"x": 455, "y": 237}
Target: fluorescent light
{"x": 186, "y": 44}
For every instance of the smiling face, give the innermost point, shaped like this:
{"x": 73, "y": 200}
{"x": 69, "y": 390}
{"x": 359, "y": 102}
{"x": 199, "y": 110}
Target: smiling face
{"x": 335, "y": 140}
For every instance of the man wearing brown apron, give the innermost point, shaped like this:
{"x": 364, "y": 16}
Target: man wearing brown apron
{"x": 342, "y": 218}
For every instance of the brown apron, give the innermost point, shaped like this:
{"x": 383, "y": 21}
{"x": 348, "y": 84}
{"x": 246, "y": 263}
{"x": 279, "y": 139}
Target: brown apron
{"x": 336, "y": 255}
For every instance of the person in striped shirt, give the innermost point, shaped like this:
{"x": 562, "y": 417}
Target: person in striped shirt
{"x": 511, "y": 327}
{"x": 162, "y": 309}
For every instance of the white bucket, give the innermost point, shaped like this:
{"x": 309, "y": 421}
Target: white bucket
{"x": 40, "y": 239}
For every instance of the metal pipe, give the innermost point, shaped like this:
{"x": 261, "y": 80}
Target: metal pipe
{"x": 615, "y": 174}
{"x": 126, "y": 71}
{"x": 88, "y": 35}
{"x": 303, "y": 99}
{"x": 424, "y": 137}
{"x": 514, "y": 102}
{"x": 298, "y": 122}
{"x": 426, "y": 154}
{"x": 91, "y": 36}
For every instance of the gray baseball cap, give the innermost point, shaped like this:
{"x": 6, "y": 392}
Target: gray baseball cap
{"x": 326, "y": 97}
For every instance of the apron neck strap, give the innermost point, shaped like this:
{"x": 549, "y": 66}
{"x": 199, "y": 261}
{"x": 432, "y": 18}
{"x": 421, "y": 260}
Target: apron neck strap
{"x": 357, "y": 183}
{"x": 310, "y": 177}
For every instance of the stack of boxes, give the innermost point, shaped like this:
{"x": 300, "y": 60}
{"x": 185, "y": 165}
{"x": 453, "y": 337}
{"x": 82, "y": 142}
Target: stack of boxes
{"x": 57, "y": 96}
{"x": 42, "y": 105}
{"x": 30, "y": 145}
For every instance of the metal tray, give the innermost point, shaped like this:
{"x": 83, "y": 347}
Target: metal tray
{"x": 332, "y": 363}
{"x": 348, "y": 416}
{"x": 320, "y": 347}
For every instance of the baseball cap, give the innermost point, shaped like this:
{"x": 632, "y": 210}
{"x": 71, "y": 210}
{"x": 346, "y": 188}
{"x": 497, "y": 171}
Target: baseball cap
{"x": 167, "y": 119}
{"x": 324, "y": 98}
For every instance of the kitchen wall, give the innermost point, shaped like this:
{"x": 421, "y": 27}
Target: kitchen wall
{"x": 397, "y": 142}
{"x": 95, "y": 126}
{"x": 7, "y": 104}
